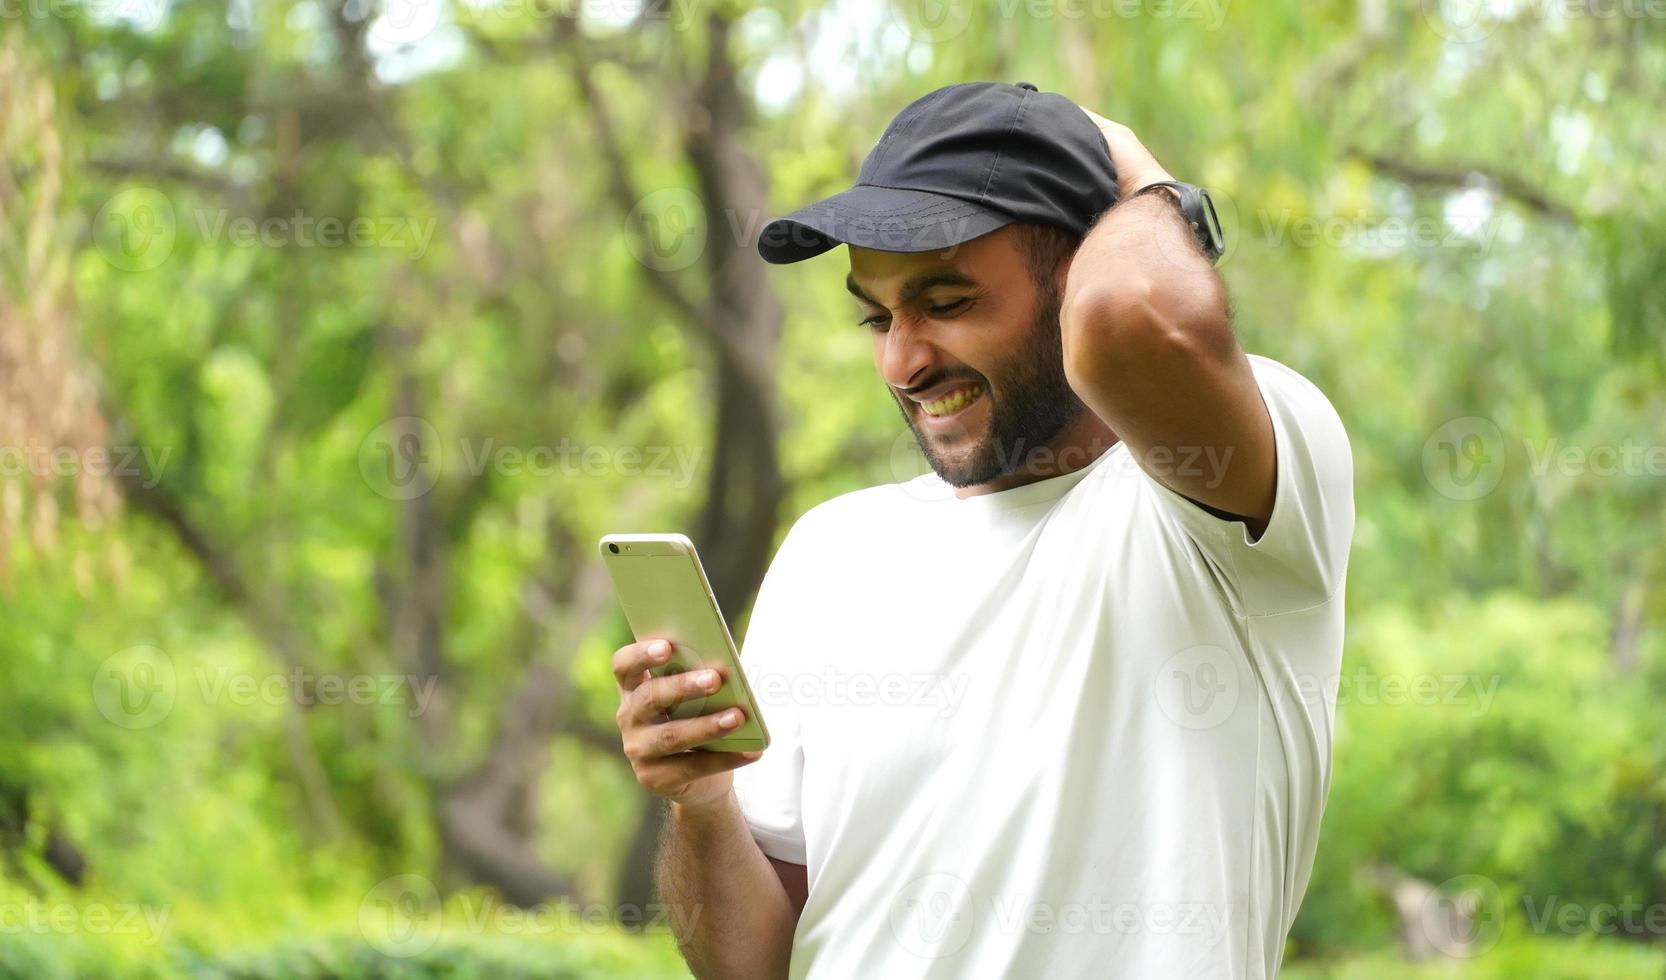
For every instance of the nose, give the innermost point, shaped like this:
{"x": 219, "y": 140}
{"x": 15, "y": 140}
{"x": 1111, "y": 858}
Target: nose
{"x": 905, "y": 356}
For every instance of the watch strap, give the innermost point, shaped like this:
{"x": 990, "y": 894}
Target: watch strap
{"x": 1198, "y": 212}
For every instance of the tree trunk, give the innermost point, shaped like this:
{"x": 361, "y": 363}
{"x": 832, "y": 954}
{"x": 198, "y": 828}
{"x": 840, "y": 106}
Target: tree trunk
{"x": 736, "y": 528}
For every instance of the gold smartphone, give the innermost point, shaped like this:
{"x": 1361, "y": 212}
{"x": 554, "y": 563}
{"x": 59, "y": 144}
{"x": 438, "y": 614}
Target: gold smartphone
{"x": 663, "y": 588}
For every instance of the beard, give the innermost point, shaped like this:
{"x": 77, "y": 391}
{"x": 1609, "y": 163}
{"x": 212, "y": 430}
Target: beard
{"x": 1030, "y": 403}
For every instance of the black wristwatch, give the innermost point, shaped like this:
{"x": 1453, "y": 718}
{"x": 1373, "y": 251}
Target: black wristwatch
{"x": 1199, "y": 210}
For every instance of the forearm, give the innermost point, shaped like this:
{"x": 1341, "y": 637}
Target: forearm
{"x": 1140, "y": 267}
{"x": 1149, "y": 348}
{"x": 731, "y": 915}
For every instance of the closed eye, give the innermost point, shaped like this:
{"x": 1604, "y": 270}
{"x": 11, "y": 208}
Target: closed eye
{"x": 878, "y": 320}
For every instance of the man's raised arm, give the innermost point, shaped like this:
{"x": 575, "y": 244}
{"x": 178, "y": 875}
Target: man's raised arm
{"x": 1149, "y": 347}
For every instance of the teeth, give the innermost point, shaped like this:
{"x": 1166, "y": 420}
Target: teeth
{"x": 956, "y": 400}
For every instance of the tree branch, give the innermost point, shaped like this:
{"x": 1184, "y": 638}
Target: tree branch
{"x": 227, "y": 576}
{"x": 616, "y": 165}
{"x": 1458, "y": 176}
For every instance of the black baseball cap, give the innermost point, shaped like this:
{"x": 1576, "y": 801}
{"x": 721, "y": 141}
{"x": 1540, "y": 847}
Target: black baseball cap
{"x": 958, "y": 163}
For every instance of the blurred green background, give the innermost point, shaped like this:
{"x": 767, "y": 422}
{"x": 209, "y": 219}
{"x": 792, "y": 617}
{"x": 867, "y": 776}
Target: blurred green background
{"x": 333, "y": 335}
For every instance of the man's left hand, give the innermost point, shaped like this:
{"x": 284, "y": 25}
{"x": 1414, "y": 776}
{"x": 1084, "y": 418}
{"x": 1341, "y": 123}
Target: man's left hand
{"x": 1135, "y": 166}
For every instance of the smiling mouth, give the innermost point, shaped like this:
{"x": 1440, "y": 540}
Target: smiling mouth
{"x": 954, "y": 401}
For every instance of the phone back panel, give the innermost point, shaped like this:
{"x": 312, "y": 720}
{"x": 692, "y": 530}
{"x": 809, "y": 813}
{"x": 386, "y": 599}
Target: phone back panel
{"x": 665, "y": 595}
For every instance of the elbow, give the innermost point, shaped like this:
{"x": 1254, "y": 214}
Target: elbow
{"x": 1130, "y": 300}
{"x": 1117, "y": 332}
{"x": 1110, "y": 328}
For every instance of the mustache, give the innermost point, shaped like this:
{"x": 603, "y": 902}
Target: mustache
{"x": 933, "y": 382}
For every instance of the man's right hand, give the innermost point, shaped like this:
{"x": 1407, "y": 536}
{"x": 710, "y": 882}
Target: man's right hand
{"x": 661, "y": 749}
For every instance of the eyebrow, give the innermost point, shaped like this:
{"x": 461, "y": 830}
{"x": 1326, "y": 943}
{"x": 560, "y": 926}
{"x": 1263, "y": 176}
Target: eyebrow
{"x": 912, "y": 287}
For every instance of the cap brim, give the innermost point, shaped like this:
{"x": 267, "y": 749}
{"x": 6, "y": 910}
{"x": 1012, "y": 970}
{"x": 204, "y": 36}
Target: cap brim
{"x": 887, "y": 219}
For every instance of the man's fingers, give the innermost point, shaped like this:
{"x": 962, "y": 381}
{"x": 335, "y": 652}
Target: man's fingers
{"x": 1136, "y": 166}
{"x": 633, "y": 660}
{"x": 1098, "y": 120}
{"x": 664, "y": 752}
{"x": 655, "y": 697}
{"x": 667, "y": 738}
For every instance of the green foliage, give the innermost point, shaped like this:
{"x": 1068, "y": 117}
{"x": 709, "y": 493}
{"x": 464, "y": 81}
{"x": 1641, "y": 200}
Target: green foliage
{"x": 459, "y": 960}
{"x": 1488, "y": 738}
{"x": 1537, "y": 959}
{"x": 1434, "y": 224}
{"x": 347, "y": 958}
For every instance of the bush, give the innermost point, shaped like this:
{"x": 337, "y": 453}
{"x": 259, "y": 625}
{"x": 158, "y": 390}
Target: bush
{"x": 56, "y": 957}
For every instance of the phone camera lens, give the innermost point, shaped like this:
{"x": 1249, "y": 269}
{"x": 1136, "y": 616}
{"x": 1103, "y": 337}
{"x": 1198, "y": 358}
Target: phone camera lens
{"x": 613, "y": 548}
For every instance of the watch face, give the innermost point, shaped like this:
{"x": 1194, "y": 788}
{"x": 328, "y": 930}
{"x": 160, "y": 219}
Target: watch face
{"x": 1212, "y": 226}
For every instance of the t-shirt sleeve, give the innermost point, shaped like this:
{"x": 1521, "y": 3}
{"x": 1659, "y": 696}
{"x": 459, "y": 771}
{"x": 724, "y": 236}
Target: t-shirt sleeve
{"x": 1301, "y": 559}
{"x": 770, "y": 789}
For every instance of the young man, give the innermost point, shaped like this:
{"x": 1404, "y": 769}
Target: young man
{"x": 1057, "y": 708}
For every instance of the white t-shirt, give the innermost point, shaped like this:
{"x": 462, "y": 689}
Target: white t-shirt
{"x": 1079, "y": 728}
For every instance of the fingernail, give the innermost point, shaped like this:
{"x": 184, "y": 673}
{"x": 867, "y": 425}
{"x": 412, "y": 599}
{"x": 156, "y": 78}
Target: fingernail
{"x": 730, "y": 718}
{"x": 751, "y": 755}
{"x": 708, "y": 678}
{"x": 659, "y": 650}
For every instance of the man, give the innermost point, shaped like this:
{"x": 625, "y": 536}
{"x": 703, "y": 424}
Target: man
{"x": 1055, "y": 709}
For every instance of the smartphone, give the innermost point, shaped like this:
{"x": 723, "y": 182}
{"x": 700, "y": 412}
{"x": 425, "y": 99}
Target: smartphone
{"x": 663, "y": 588}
